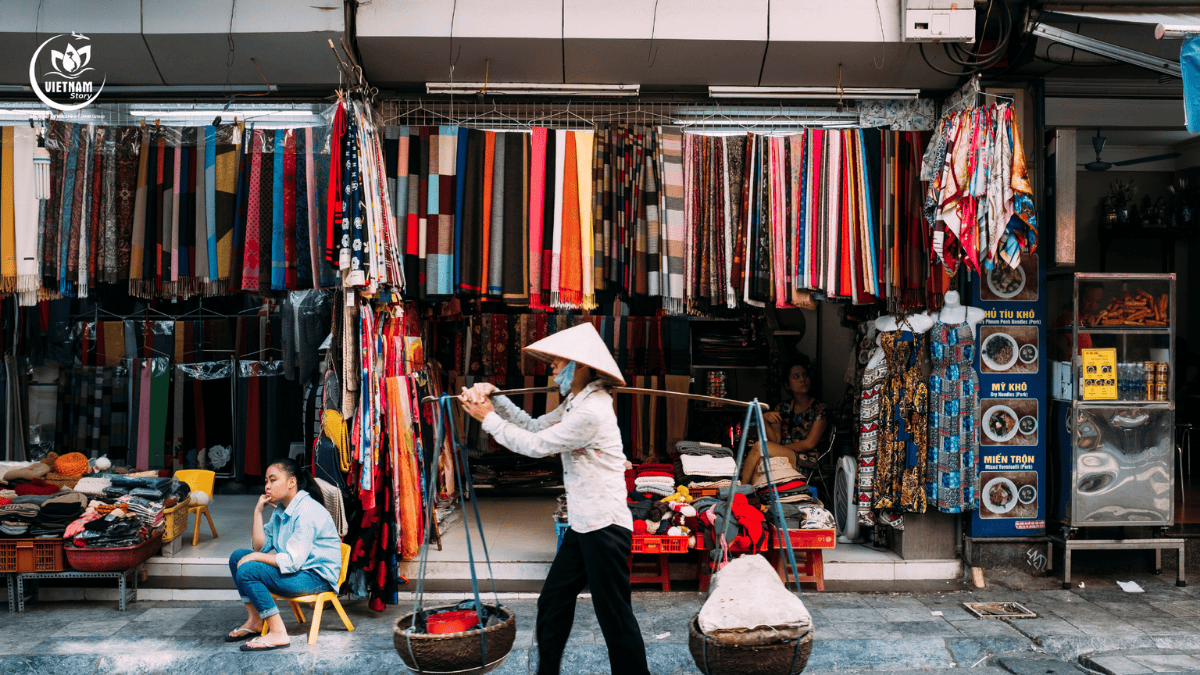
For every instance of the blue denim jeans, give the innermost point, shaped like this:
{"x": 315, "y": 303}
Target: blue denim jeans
{"x": 256, "y": 582}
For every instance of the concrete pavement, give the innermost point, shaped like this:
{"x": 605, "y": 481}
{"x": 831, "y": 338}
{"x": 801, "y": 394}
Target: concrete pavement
{"x": 1098, "y": 628}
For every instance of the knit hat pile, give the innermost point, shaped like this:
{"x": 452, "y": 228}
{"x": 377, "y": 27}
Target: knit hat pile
{"x": 72, "y": 464}
{"x": 37, "y": 486}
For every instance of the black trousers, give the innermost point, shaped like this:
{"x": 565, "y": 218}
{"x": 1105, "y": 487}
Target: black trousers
{"x": 598, "y": 560}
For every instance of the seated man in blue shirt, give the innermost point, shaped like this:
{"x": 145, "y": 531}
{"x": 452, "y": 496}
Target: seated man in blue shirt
{"x": 297, "y": 553}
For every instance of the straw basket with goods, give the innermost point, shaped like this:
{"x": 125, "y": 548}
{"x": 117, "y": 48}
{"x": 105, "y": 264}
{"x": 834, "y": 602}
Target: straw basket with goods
{"x": 473, "y": 651}
{"x": 472, "y": 637}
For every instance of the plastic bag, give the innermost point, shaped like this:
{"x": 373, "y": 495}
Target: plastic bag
{"x": 746, "y": 595}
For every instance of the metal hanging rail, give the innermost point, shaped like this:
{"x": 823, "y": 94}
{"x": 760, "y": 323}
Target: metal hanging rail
{"x": 620, "y": 390}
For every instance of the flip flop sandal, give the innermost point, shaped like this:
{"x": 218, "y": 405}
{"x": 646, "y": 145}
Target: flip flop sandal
{"x": 238, "y": 638}
{"x": 264, "y": 648}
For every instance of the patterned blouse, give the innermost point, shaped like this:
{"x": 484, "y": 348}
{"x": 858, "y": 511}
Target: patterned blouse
{"x": 796, "y": 426}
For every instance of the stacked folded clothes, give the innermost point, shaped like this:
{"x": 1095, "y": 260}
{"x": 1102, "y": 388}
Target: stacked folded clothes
{"x": 114, "y": 530}
{"x": 656, "y": 479}
{"x": 57, "y": 513}
{"x": 785, "y": 481}
{"x": 15, "y": 519}
{"x": 701, "y": 465}
{"x": 698, "y": 448}
{"x": 150, "y": 513}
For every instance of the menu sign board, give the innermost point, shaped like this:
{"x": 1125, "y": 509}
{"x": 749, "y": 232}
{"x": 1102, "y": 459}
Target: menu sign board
{"x": 1012, "y": 370}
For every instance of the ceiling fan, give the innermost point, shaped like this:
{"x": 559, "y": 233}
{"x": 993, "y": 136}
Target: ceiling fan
{"x": 1099, "y": 165}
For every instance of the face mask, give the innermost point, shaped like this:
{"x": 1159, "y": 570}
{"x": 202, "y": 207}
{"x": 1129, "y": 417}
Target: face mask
{"x": 565, "y": 378}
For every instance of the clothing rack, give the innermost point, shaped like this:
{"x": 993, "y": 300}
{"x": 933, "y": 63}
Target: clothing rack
{"x": 523, "y": 115}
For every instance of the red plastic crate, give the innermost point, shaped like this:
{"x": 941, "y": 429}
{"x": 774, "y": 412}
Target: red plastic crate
{"x": 23, "y": 556}
{"x": 650, "y": 543}
{"x": 805, "y": 539}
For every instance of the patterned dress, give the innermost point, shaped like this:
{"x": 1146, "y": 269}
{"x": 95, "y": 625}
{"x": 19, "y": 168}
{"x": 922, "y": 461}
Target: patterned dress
{"x": 796, "y": 426}
{"x": 953, "y": 434}
{"x": 868, "y": 440}
{"x": 901, "y": 468}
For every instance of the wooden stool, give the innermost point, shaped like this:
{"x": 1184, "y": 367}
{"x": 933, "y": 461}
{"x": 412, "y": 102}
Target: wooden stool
{"x": 808, "y": 543}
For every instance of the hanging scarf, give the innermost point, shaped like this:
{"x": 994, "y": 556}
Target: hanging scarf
{"x": 515, "y": 282}
{"x": 671, "y": 198}
{"x": 570, "y": 258}
{"x": 537, "y": 204}
{"x": 8, "y": 234}
{"x": 587, "y": 247}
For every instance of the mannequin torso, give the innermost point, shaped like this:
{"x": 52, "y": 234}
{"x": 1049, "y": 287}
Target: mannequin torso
{"x": 915, "y": 323}
{"x": 954, "y": 312}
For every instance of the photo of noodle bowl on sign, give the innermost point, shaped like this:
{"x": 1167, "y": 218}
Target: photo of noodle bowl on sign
{"x": 1009, "y": 350}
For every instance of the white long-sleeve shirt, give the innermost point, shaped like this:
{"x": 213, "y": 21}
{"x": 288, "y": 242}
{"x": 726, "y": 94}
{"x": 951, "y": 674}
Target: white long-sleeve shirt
{"x": 583, "y": 431}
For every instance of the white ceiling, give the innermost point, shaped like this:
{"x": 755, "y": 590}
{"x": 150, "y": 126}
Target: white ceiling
{"x": 181, "y": 42}
{"x": 695, "y": 43}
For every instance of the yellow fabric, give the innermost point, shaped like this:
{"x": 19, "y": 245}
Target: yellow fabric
{"x": 8, "y": 230}
{"x": 335, "y": 428}
{"x": 583, "y": 158}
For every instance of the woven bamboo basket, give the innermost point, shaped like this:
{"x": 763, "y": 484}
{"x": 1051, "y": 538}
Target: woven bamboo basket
{"x": 716, "y": 657}
{"x": 459, "y": 653}
{"x": 61, "y": 480}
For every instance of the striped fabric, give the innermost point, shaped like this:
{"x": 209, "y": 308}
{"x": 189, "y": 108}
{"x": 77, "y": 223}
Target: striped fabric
{"x": 671, "y": 198}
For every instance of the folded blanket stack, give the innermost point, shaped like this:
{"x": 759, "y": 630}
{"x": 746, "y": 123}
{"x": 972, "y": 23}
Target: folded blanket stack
{"x": 57, "y": 513}
{"x": 15, "y": 519}
{"x": 702, "y": 465}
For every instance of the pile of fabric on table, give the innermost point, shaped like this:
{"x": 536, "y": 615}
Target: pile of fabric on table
{"x": 701, "y": 465}
{"x": 785, "y": 481}
{"x": 15, "y": 519}
{"x": 57, "y": 512}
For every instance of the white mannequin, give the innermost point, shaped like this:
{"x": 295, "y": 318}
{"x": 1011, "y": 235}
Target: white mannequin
{"x": 915, "y": 323}
{"x": 954, "y": 312}
{"x": 876, "y": 357}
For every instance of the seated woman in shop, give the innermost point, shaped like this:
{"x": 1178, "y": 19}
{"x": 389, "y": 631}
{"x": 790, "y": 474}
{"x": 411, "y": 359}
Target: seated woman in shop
{"x": 795, "y": 430}
{"x": 297, "y": 553}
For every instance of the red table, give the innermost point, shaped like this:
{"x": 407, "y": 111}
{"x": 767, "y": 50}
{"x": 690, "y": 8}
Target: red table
{"x": 808, "y": 543}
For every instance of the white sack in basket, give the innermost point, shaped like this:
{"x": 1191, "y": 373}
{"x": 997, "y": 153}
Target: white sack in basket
{"x": 747, "y": 594}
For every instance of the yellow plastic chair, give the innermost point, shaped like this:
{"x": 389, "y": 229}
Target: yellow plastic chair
{"x": 200, "y": 481}
{"x": 318, "y": 602}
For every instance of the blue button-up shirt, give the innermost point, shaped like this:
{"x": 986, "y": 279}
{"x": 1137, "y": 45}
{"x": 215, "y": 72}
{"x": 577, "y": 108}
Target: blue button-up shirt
{"x": 303, "y": 537}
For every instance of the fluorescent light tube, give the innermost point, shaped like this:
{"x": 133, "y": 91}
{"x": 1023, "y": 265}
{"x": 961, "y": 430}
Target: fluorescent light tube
{"x": 851, "y": 93}
{"x": 532, "y": 89}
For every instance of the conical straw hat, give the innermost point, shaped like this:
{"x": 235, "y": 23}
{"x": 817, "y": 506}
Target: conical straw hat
{"x": 583, "y": 345}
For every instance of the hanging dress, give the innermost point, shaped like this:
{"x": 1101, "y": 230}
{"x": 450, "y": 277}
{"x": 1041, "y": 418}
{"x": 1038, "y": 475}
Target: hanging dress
{"x": 868, "y": 440}
{"x": 904, "y": 425}
{"x": 953, "y": 435}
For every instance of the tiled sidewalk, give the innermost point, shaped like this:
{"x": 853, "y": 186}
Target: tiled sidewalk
{"x": 1100, "y": 627}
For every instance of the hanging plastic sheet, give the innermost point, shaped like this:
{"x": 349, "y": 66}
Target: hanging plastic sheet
{"x": 207, "y": 421}
{"x": 150, "y": 386}
{"x": 256, "y": 439}
{"x": 1189, "y": 60}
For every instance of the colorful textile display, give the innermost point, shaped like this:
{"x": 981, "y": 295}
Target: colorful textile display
{"x": 978, "y": 202}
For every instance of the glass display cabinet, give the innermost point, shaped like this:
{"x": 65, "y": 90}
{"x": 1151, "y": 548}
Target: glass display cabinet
{"x": 1114, "y": 381}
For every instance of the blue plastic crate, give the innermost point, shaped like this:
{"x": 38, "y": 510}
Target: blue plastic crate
{"x": 560, "y": 529}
